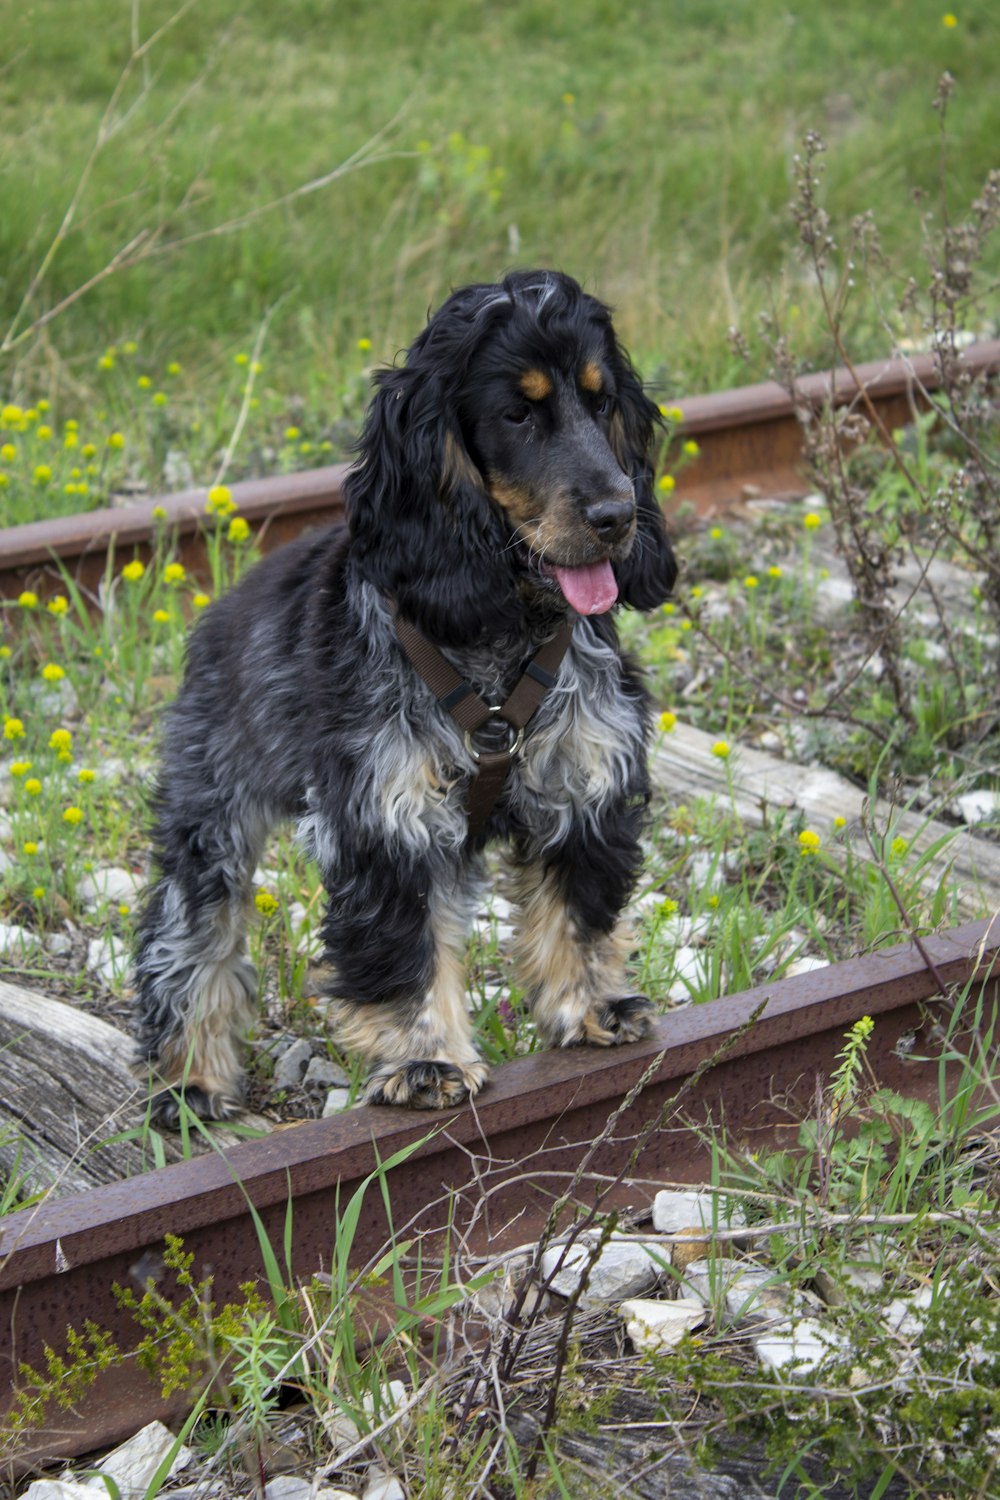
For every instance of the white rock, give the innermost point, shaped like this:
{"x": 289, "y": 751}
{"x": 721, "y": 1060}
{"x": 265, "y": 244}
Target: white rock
{"x": 337, "y": 1100}
{"x": 808, "y": 963}
{"x": 798, "y": 1349}
{"x": 712, "y": 1280}
{"x": 58, "y": 944}
{"x": 322, "y": 1073}
{"x": 382, "y": 1486}
{"x": 289, "y": 1070}
{"x": 340, "y": 1428}
{"x": 621, "y": 1270}
{"x": 288, "y": 1487}
{"x": 133, "y": 1465}
{"x": 391, "y": 1397}
{"x": 109, "y": 883}
{"x": 980, "y": 806}
{"x": 674, "y": 1210}
{"x": 15, "y": 941}
{"x": 654, "y": 1326}
{"x": 907, "y": 1315}
{"x": 108, "y": 958}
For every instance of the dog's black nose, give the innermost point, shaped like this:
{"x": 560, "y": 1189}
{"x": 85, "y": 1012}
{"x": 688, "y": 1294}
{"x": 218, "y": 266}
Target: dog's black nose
{"x": 611, "y": 519}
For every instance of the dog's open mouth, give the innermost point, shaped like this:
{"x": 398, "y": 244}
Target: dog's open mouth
{"x": 589, "y": 588}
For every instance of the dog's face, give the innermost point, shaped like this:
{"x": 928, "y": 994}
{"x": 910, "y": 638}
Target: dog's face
{"x": 540, "y": 427}
{"x": 508, "y": 465}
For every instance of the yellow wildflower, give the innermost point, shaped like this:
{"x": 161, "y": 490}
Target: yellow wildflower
{"x": 811, "y": 521}
{"x": 721, "y": 749}
{"x": 161, "y": 616}
{"x": 33, "y": 786}
{"x": 133, "y": 570}
{"x": 28, "y": 599}
{"x": 8, "y": 453}
{"x": 60, "y": 739}
{"x": 668, "y": 722}
{"x": 667, "y": 483}
{"x": 174, "y": 573}
{"x": 201, "y": 601}
{"x": 20, "y": 767}
{"x": 30, "y": 847}
{"x": 11, "y": 415}
{"x": 58, "y": 604}
{"x": 53, "y": 672}
{"x": 86, "y": 775}
{"x": 220, "y": 500}
{"x": 265, "y": 903}
{"x": 73, "y": 816}
{"x": 809, "y": 841}
{"x": 43, "y": 474}
{"x": 239, "y": 529}
{"x": 116, "y": 440}
{"x": 13, "y": 729}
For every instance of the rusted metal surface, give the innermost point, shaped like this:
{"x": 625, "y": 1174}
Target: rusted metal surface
{"x": 503, "y": 1159}
{"x": 750, "y": 442}
{"x": 751, "y": 438}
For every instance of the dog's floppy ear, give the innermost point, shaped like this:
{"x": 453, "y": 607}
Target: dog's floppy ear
{"x": 423, "y": 529}
{"x": 650, "y": 571}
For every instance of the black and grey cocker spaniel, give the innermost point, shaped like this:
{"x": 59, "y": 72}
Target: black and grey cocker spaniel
{"x": 501, "y": 505}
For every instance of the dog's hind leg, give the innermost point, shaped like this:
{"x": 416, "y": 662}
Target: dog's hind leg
{"x": 197, "y": 989}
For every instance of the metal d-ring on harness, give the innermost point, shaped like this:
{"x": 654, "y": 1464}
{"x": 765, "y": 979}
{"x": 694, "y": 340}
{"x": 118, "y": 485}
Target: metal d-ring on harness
{"x": 471, "y": 712}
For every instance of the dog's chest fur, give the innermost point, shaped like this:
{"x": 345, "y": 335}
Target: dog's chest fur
{"x": 581, "y": 746}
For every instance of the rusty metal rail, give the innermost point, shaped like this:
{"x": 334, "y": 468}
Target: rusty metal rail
{"x": 518, "y": 1146}
{"x": 750, "y": 442}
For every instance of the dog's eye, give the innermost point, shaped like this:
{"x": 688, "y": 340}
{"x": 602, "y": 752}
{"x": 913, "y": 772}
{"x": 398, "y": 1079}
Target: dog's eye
{"x": 604, "y": 405}
{"x": 518, "y": 414}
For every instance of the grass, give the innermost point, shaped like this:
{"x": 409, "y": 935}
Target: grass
{"x": 650, "y": 153}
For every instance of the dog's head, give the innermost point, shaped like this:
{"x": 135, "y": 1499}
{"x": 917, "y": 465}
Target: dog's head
{"x": 507, "y": 466}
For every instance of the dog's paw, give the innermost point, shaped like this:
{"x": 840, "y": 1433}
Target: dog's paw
{"x": 610, "y": 1023}
{"x": 425, "y": 1085}
{"x": 166, "y": 1107}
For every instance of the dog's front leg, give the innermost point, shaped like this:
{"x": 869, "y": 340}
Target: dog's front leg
{"x": 395, "y": 935}
{"x": 572, "y": 945}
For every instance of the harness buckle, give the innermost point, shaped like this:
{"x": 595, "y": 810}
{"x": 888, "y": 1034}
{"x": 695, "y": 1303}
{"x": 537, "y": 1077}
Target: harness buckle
{"x": 515, "y": 731}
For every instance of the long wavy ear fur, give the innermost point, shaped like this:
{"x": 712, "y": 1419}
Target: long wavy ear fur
{"x": 647, "y": 577}
{"x": 423, "y": 529}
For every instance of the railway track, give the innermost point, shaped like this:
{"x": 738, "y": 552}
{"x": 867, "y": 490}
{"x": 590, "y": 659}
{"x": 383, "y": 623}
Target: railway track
{"x": 529, "y": 1131}
{"x": 518, "y": 1146}
{"x": 749, "y": 440}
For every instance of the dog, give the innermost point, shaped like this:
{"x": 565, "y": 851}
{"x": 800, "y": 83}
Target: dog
{"x": 502, "y": 496}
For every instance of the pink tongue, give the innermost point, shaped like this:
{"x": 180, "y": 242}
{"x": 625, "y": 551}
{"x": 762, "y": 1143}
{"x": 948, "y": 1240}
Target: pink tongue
{"x": 591, "y": 590}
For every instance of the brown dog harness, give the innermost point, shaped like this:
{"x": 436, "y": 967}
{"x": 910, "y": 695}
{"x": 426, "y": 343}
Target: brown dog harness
{"x": 471, "y": 712}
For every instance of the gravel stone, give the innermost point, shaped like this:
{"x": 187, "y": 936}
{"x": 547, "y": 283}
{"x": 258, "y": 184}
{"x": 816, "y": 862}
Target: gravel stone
{"x": 289, "y": 1069}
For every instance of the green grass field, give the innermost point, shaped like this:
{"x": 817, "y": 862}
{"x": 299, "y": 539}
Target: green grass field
{"x": 646, "y": 148}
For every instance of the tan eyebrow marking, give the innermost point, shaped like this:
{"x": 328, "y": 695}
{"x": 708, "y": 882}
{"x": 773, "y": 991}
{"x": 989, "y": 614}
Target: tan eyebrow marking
{"x": 591, "y": 378}
{"x": 536, "y": 385}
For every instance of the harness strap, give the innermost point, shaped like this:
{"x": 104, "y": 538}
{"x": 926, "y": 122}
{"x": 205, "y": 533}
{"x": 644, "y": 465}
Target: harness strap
{"x": 471, "y": 711}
